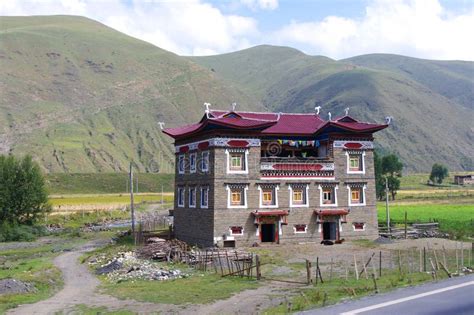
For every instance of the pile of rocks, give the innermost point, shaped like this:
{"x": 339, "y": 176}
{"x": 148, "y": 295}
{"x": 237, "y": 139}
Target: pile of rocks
{"x": 13, "y": 286}
{"x": 127, "y": 266}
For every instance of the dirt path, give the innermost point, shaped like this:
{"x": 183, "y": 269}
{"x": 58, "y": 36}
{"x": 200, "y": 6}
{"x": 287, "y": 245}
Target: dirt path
{"x": 80, "y": 287}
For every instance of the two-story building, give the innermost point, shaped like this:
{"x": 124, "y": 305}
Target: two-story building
{"x": 246, "y": 177}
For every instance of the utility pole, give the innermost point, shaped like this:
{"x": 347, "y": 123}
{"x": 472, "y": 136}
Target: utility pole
{"x": 386, "y": 204}
{"x": 132, "y": 209}
{"x": 162, "y": 197}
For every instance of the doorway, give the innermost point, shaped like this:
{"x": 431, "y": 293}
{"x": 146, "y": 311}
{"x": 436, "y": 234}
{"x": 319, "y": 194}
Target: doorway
{"x": 268, "y": 232}
{"x": 329, "y": 231}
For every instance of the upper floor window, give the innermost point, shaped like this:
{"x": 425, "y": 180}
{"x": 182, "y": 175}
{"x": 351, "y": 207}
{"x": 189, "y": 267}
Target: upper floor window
{"x": 192, "y": 162}
{"x": 237, "y": 196}
{"x": 356, "y": 194}
{"x": 298, "y": 195}
{"x": 204, "y": 197}
{"x": 192, "y": 197}
{"x": 355, "y": 162}
{"x": 268, "y": 196}
{"x": 181, "y": 166}
{"x": 328, "y": 195}
{"x": 237, "y": 161}
{"x": 205, "y": 161}
{"x": 180, "y": 196}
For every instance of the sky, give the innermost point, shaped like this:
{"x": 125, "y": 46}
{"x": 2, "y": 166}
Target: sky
{"x": 430, "y": 29}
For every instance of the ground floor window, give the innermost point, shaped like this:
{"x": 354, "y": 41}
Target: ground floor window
{"x": 236, "y": 230}
{"x": 300, "y": 228}
{"x": 358, "y": 226}
{"x": 192, "y": 197}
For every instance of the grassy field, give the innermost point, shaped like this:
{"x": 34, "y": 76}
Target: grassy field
{"x": 418, "y": 181}
{"x": 457, "y": 218}
{"x": 123, "y": 199}
{"x": 107, "y": 183}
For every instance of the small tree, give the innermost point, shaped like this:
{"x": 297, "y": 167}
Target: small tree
{"x": 23, "y": 196}
{"x": 392, "y": 169}
{"x": 438, "y": 173}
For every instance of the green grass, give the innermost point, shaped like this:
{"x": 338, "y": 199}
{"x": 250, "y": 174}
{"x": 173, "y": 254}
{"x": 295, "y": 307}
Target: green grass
{"x": 197, "y": 289}
{"x": 418, "y": 181}
{"x": 108, "y": 199}
{"x": 106, "y": 183}
{"x": 82, "y": 309}
{"x": 341, "y": 289}
{"x": 457, "y": 218}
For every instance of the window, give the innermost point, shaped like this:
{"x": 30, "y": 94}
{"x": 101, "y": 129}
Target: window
{"x": 192, "y": 197}
{"x": 300, "y": 228}
{"x": 355, "y": 162}
{"x": 236, "y": 230}
{"x": 237, "y": 161}
{"x": 180, "y": 196}
{"x": 357, "y": 194}
{"x": 358, "y": 226}
{"x": 204, "y": 197}
{"x": 268, "y": 196}
{"x": 205, "y": 161}
{"x": 192, "y": 162}
{"x": 237, "y": 195}
{"x": 328, "y": 195}
{"x": 298, "y": 195}
{"x": 181, "y": 164}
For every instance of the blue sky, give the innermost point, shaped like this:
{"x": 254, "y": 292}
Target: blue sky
{"x": 434, "y": 29}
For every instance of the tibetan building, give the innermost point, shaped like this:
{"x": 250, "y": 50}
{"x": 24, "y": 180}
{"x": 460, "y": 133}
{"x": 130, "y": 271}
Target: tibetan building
{"x": 247, "y": 177}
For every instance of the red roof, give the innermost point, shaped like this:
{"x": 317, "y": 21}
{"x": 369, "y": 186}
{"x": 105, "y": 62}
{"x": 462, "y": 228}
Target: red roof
{"x": 270, "y": 213}
{"x": 273, "y": 124}
{"x": 332, "y": 212}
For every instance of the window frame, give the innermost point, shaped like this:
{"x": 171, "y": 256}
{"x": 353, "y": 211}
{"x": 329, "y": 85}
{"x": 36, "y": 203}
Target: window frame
{"x": 231, "y": 232}
{"x": 305, "y": 195}
{"x": 243, "y": 196}
{"x": 181, "y": 164}
{"x": 244, "y": 169}
{"x": 295, "y": 229}
{"x": 361, "y": 169}
{"x": 205, "y": 161}
{"x": 356, "y": 229}
{"x": 192, "y": 191}
{"x": 182, "y": 196}
{"x": 362, "y": 195}
{"x": 202, "y": 190}
{"x": 192, "y": 166}
{"x": 321, "y": 195}
{"x": 265, "y": 189}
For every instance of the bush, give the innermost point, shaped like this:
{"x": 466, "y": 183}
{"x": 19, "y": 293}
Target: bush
{"x": 17, "y": 233}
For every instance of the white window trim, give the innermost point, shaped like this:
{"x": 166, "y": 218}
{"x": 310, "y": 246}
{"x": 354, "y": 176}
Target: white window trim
{"x": 181, "y": 158}
{"x": 205, "y": 157}
{"x": 362, "y": 230}
{"x": 181, "y": 205}
{"x": 233, "y": 234}
{"x": 305, "y": 229}
{"x": 191, "y": 168}
{"x": 200, "y": 197}
{"x": 321, "y": 204}
{"x": 261, "y": 205}
{"x": 350, "y": 197}
{"x": 229, "y": 171}
{"x": 306, "y": 205}
{"x": 189, "y": 198}
{"x": 348, "y": 164}
{"x": 229, "y": 203}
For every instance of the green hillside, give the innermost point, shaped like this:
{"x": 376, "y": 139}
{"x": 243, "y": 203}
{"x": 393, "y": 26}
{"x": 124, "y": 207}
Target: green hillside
{"x": 431, "y": 123}
{"x": 82, "y": 97}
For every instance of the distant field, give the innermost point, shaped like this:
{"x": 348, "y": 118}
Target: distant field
{"x": 106, "y": 183}
{"x": 451, "y": 217}
{"x": 419, "y": 181}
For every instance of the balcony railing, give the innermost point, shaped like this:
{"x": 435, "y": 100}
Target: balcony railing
{"x": 296, "y": 167}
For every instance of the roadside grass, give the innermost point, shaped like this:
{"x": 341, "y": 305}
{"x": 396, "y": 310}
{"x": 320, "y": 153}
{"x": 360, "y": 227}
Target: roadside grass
{"x": 452, "y": 218}
{"x": 79, "y": 219}
{"x": 86, "y": 199}
{"x": 86, "y": 310}
{"x": 106, "y": 183}
{"x": 338, "y": 290}
{"x": 199, "y": 288}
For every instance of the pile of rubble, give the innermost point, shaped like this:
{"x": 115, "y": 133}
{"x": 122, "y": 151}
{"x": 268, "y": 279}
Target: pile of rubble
{"x": 127, "y": 266}
{"x": 161, "y": 249}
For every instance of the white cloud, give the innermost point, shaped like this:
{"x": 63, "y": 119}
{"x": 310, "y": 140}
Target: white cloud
{"x": 421, "y": 28}
{"x": 260, "y": 4}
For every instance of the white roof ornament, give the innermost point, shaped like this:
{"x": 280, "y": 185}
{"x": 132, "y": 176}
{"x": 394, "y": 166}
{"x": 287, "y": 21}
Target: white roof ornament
{"x": 162, "y": 125}
{"x": 234, "y": 105}
{"x": 347, "y": 111}
{"x": 279, "y": 115}
{"x": 317, "y": 109}
{"x": 329, "y": 114}
{"x": 388, "y": 120}
{"x": 207, "y": 111}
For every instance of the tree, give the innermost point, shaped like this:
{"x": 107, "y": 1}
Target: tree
{"x": 23, "y": 196}
{"x": 392, "y": 170}
{"x": 438, "y": 173}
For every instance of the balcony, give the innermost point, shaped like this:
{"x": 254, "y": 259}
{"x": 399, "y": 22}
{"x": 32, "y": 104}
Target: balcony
{"x": 296, "y": 168}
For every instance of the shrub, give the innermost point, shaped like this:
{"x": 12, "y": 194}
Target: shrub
{"x": 18, "y": 233}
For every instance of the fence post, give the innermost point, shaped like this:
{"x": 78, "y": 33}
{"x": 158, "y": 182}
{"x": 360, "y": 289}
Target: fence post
{"x": 380, "y": 264}
{"x": 257, "y": 264}
{"x": 424, "y": 259}
{"x": 308, "y": 271}
{"x": 406, "y": 225}
{"x": 355, "y": 268}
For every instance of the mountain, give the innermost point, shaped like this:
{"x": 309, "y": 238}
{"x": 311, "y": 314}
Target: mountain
{"x": 431, "y": 101}
{"x": 82, "y": 97}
